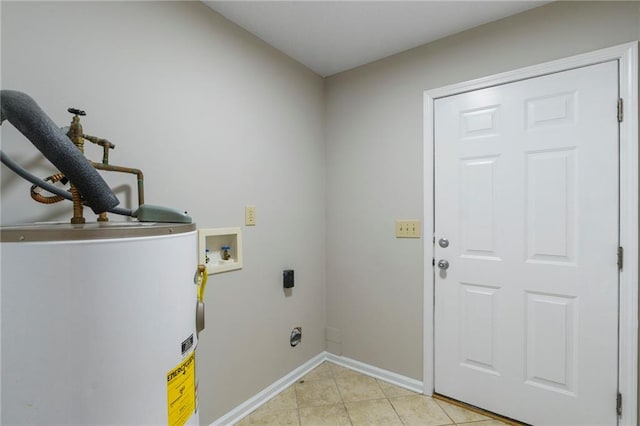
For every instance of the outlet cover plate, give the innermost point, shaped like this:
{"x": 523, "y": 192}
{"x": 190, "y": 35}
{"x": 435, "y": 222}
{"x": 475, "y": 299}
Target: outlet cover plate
{"x": 250, "y": 215}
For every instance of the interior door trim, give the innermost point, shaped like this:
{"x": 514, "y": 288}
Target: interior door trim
{"x": 627, "y": 57}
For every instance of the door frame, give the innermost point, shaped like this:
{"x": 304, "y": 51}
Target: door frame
{"x": 627, "y": 55}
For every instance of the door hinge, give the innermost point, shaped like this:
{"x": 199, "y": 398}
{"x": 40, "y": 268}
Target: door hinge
{"x": 620, "y": 258}
{"x": 619, "y": 404}
{"x": 620, "y": 110}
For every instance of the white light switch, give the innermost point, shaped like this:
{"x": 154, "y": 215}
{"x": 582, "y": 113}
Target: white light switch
{"x": 407, "y": 229}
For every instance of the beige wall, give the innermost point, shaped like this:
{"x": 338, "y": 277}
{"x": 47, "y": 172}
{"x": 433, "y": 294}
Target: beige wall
{"x": 217, "y": 120}
{"x": 374, "y": 141}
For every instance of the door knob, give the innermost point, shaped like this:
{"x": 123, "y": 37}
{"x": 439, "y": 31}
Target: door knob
{"x": 443, "y": 242}
{"x": 443, "y": 264}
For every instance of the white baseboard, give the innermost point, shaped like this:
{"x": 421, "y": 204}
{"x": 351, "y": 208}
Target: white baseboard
{"x": 385, "y": 375}
{"x": 272, "y": 390}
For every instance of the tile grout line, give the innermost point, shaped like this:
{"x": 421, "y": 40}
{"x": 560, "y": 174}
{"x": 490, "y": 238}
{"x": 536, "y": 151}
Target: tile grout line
{"x": 385, "y": 397}
{"x": 445, "y": 411}
{"x": 490, "y": 416}
{"x": 394, "y": 407}
{"x": 390, "y": 403}
{"x": 295, "y": 395}
{"x": 333, "y": 375}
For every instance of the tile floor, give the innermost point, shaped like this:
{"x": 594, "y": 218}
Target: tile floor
{"x": 335, "y": 396}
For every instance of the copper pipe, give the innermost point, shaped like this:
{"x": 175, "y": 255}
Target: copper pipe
{"x": 137, "y": 172}
{"x": 37, "y": 196}
{"x": 76, "y": 136}
{"x": 104, "y": 143}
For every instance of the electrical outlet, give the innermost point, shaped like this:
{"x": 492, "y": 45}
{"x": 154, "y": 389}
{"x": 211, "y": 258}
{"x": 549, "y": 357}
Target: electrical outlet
{"x": 407, "y": 229}
{"x": 250, "y": 215}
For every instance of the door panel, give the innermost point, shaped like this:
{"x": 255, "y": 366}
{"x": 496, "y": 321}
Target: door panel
{"x": 550, "y": 340}
{"x": 526, "y": 191}
{"x": 551, "y": 181}
{"x": 477, "y": 336}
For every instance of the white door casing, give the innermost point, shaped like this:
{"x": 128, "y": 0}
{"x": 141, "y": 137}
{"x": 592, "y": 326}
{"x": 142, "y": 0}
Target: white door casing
{"x": 526, "y": 191}
{"x": 542, "y": 167}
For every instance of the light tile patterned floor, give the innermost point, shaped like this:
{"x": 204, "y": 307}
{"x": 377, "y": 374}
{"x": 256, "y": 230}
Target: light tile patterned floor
{"x": 336, "y": 396}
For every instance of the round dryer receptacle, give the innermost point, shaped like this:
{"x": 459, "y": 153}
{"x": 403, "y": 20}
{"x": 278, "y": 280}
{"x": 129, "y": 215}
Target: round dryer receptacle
{"x": 296, "y": 336}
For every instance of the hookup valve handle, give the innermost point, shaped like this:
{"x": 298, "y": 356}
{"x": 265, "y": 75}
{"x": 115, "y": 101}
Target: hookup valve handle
{"x": 76, "y": 111}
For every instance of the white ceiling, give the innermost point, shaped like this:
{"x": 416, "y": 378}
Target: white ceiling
{"x": 334, "y": 36}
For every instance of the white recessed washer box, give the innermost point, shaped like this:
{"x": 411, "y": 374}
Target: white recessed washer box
{"x": 211, "y": 249}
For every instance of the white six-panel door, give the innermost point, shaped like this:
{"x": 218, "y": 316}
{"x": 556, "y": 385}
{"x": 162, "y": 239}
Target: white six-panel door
{"x": 526, "y": 193}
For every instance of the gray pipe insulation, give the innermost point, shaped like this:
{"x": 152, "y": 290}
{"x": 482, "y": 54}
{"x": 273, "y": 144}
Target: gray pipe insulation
{"x": 25, "y": 114}
{"x": 4, "y": 158}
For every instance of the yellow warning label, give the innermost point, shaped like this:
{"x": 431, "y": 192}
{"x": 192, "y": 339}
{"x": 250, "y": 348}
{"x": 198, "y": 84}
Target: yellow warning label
{"x": 181, "y": 391}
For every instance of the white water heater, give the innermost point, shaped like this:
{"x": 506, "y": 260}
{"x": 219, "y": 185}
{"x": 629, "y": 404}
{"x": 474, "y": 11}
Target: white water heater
{"x": 99, "y": 324}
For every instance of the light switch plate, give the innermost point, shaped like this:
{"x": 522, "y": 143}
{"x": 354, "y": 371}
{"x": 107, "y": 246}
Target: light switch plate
{"x": 407, "y": 229}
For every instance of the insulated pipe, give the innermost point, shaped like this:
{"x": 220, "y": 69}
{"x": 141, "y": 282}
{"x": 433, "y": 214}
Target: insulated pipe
{"x": 25, "y": 114}
{"x": 49, "y": 187}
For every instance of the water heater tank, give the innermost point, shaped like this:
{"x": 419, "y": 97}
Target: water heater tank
{"x": 98, "y": 324}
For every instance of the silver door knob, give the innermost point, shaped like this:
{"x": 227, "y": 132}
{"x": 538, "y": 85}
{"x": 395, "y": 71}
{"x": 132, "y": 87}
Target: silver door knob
{"x": 443, "y": 242}
{"x": 443, "y": 264}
